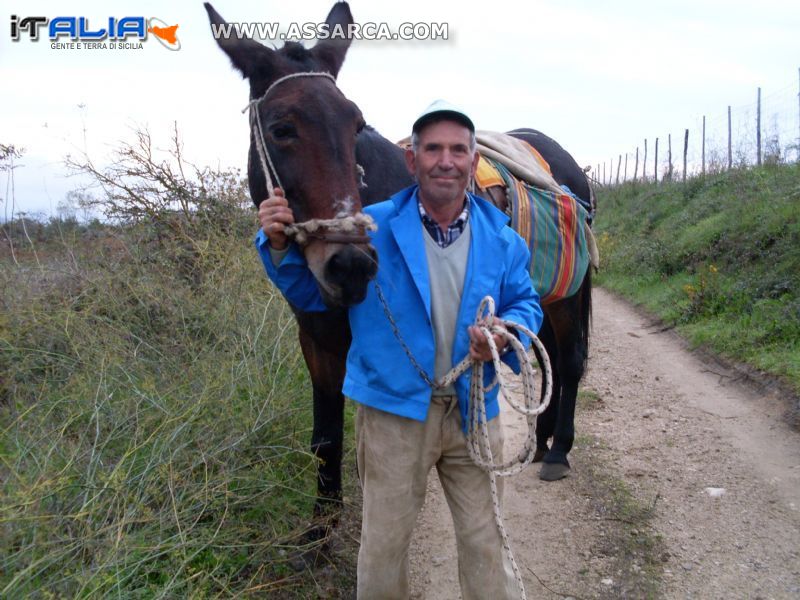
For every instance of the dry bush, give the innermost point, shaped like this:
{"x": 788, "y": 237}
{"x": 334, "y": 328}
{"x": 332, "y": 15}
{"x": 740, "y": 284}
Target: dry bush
{"x": 154, "y": 407}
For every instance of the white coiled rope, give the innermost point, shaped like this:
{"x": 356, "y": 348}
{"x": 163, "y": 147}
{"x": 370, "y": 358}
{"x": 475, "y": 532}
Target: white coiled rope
{"x": 478, "y": 431}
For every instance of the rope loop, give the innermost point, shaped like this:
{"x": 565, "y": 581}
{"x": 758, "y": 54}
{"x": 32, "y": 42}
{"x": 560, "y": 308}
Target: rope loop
{"x": 344, "y": 229}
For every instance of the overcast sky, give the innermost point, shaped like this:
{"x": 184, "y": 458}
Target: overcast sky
{"x": 597, "y": 76}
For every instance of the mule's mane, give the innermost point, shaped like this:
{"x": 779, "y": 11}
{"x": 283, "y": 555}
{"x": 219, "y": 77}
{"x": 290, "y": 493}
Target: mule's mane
{"x": 296, "y": 52}
{"x": 293, "y": 57}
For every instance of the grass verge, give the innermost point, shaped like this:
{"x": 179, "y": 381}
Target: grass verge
{"x": 717, "y": 257}
{"x": 154, "y": 416}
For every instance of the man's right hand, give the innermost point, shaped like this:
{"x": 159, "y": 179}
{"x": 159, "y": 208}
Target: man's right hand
{"x": 274, "y": 214}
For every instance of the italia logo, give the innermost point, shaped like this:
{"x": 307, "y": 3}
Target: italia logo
{"x": 165, "y": 34}
{"x": 128, "y": 30}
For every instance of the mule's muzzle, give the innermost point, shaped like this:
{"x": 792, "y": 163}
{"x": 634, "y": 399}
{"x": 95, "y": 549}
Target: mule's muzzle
{"x": 347, "y": 274}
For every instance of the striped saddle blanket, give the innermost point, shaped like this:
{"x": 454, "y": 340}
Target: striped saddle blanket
{"x": 553, "y": 223}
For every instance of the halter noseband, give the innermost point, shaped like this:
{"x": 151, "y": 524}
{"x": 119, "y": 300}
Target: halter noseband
{"x": 341, "y": 229}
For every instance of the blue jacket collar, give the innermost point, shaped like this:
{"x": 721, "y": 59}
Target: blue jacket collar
{"x": 485, "y": 224}
{"x": 405, "y": 199}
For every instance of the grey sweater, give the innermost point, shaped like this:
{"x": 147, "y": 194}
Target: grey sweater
{"x": 446, "y": 269}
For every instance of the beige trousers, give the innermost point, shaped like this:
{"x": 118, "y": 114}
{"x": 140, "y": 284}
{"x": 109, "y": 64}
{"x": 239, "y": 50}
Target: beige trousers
{"x": 395, "y": 455}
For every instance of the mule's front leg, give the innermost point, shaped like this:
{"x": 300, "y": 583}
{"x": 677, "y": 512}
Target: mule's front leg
{"x": 327, "y": 375}
{"x": 326, "y": 444}
{"x": 546, "y": 422}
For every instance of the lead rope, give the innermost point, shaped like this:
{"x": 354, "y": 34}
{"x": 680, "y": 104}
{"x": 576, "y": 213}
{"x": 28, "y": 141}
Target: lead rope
{"x": 478, "y": 430}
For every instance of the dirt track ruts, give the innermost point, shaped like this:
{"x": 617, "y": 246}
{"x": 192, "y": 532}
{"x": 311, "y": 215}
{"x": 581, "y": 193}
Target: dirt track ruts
{"x": 656, "y": 427}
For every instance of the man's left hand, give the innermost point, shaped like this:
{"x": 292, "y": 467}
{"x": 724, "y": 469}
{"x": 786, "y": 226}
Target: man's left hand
{"x": 479, "y": 345}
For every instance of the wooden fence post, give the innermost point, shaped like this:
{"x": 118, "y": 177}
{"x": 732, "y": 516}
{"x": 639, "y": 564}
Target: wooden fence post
{"x": 704, "y": 145}
{"x": 644, "y": 162}
{"x": 730, "y": 154}
{"x": 625, "y": 174}
{"x": 619, "y": 164}
{"x": 655, "y": 164}
{"x": 636, "y": 168}
{"x": 685, "y": 150}
{"x": 758, "y": 129}
{"x": 669, "y": 156}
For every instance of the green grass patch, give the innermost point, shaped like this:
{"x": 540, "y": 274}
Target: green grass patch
{"x": 589, "y": 399}
{"x": 154, "y": 419}
{"x": 636, "y": 549}
{"x": 718, "y": 257}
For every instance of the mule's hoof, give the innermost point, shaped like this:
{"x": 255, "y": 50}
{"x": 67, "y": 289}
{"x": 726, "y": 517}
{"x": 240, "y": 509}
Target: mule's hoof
{"x": 304, "y": 560}
{"x": 313, "y": 549}
{"x": 317, "y": 534}
{"x": 553, "y": 471}
{"x": 539, "y": 455}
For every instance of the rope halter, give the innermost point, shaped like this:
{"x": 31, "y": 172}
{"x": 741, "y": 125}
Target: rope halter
{"x": 342, "y": 229}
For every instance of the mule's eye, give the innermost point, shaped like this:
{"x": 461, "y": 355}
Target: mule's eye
{"x": 283, "y": 132}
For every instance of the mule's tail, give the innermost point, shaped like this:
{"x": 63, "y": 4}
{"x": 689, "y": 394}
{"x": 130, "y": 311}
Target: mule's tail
{"x": 586, "y": 287}
{"x": 586, "y": 312}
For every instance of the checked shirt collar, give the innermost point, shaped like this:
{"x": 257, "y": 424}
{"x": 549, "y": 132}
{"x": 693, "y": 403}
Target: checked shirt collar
{"x": 456, "y": 228}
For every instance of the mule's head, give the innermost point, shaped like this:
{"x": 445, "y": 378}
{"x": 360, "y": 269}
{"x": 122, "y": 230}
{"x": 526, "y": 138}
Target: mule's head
{"x": 309, "y": 129}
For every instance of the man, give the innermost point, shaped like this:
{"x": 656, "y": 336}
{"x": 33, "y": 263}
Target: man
{"x": 440, "y": 251}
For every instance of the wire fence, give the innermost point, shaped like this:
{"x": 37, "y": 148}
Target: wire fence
{"x": 766, "y": 131}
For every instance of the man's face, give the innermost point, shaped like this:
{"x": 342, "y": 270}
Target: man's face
{"x": 443, "y": 163}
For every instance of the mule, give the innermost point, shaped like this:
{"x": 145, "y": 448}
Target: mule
{"x": 322, "y": 149}
{"x": 565, "y": 329}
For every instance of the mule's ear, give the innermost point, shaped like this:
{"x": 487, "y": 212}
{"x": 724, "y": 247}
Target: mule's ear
{"x": 331, "y": 52}
{"x": 246, "y": 54}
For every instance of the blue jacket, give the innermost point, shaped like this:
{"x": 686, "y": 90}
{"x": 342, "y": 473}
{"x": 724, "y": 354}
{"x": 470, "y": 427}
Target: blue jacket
{"x": 379, "y": 374}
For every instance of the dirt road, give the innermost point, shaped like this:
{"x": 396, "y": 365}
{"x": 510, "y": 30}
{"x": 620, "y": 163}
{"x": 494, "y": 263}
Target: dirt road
{"x": 685, "y": 484}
